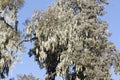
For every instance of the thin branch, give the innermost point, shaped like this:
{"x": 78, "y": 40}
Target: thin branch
{"x": 3, "y": 19}
{"x": 27, "y": 40}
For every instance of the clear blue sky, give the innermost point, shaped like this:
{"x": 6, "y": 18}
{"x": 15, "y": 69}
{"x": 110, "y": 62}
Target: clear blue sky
{"x": 29, "y": 66}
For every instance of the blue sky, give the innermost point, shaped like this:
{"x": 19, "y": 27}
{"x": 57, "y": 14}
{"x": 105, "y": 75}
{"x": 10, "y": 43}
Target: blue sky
{"x": 29, "y": 66}
{"x": 113, "y": 18}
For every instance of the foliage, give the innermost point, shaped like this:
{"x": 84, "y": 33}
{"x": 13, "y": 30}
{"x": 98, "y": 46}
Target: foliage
{"x": 9, "y": 36}
{"x": 70, "y": 40}
{"x": 27, "y": 77}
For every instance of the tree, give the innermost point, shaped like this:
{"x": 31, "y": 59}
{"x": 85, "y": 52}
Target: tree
{"x": 70, "y": 40}
{"x": 26, "y": 77}
{"x": 9, "y": 36}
